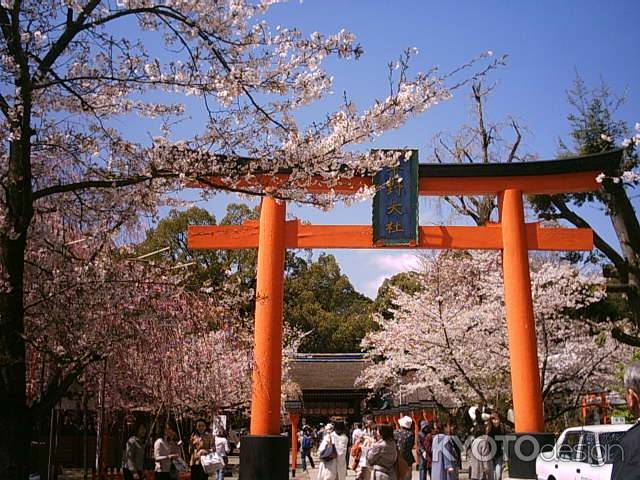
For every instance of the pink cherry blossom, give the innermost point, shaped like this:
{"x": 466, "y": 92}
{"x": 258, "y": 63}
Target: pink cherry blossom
{"x": 450, "y": 338}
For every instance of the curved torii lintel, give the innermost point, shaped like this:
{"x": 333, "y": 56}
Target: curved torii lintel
{"x": 546, "y": 177}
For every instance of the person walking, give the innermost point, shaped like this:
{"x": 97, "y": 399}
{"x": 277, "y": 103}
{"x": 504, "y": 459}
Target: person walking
{"x": 133, "y": 458}
{"x": 445, "y": 456}
{"x": 306, "y": 444}
{"x": 200, "y": 443}
{"x": 480, "y": 459}
{"x": 222, "y": 449}
{"x": 626, "y": 462}
{"x": 355, "y": 452}
{"x": 497, "y": 431}
{"x": 364, "y": 443}
{"x": 356, "y": 433}
{"x": 405, "y": 441}
{"x": 165, "y": 451}
{"x": 328, "y": 469}
{"x": 341, "y": 441}
{"x": 425, "y": 438}
{"x": 383, "y": 454}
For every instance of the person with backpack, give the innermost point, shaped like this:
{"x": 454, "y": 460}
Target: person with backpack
{"x": 328, "y": 453}
{"x": 405, "y": 440}
{"x": 306, "y": 444}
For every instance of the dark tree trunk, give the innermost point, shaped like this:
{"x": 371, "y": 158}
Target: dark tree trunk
{"x": 15, "y": 416}
{"x": 15, "y": 421}
{"x": 627, "y": 228}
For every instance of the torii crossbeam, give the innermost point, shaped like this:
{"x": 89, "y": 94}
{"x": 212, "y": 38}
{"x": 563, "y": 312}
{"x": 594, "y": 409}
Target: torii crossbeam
{"x": 273, "y": 234}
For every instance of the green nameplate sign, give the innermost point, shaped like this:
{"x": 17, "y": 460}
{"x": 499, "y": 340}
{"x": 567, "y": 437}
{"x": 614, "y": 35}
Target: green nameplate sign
{"x": 395, "y": 205}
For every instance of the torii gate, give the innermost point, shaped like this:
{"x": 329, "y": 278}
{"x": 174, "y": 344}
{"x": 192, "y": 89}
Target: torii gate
{"x": 273, "y": 234}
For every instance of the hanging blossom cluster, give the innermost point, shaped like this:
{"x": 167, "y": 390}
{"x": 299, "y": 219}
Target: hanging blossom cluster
{"x": 450, "y": 338}
{"x": 88, "y": 302}
{"x": 191, "y": 371}
{"x": 185, "y": 370}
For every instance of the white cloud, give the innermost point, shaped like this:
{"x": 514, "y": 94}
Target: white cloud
{"x": 379, "y": 266}
{"x": 370, "y": 288}
{"x": 395, "y": 262}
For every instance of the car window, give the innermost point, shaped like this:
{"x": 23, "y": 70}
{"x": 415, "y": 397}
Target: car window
{"x": 610, "y": 445}
{"x": 588, "y": 452}
{"x": 570, "y": 446}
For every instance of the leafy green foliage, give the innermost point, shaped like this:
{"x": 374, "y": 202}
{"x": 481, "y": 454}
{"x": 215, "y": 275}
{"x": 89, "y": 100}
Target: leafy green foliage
{"x": 407, "y": 282}
{"x": 321, "y": 300}
{"x": 211, "y": 267}
{"x": 171, "y": 232}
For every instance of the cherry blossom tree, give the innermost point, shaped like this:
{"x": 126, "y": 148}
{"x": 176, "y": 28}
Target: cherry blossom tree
{"x": 135, "y": 335}
{"x": 450, "y": 338}
{"x": 73, "y": 72}
{"x": 85, "y": 305}
{"x": 189, "y": 368}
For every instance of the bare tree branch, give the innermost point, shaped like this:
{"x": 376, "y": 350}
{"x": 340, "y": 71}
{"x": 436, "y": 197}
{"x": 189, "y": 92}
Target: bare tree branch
{"x": 61, "y": 44}
{"x": 516, "y": 143}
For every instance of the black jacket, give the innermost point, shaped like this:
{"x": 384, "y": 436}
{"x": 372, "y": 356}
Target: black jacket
{"x": 627, "y": 465}
{"x": 405, "y": 441}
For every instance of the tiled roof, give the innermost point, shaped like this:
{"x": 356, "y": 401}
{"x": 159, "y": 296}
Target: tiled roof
{"x": 327, "y": 371}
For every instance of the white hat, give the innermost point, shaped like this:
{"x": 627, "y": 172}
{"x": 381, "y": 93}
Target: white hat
{"x": 329, "y": 427}
{"x": 405, "y": 422}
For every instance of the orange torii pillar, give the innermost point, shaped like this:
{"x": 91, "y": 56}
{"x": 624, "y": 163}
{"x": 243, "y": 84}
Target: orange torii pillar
{"x": 265, "y": 453}
{"x": 521, "y": 325}
{"x": 295, "y": 417}
{"x": 523, "y": 346}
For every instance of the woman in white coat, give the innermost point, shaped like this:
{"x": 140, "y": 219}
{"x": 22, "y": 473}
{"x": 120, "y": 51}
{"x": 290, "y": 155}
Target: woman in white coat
{"x": 328, "y": 469}
{"x": 341, "y": 441}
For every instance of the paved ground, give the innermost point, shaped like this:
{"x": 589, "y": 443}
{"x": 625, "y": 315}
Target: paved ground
{"x": 310, "y": 474}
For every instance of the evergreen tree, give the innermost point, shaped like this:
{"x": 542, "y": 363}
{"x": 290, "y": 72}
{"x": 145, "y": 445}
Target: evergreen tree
{"x": 595, "y": 129}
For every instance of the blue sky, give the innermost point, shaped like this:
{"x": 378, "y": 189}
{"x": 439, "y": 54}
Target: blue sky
{"x": 547, "y": 42}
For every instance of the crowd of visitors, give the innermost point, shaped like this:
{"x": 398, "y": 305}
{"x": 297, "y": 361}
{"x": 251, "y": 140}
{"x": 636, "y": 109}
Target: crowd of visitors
{"x": 207, "y": 453}
{"x": 380, "y": 452}
{"x": 374, "y": 452}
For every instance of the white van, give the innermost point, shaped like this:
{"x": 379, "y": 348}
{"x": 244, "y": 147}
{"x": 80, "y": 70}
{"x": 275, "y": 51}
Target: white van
{"x": 582, "y": 453}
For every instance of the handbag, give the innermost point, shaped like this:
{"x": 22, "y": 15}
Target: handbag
{"x": 329, "y": 452}
{"x": 403, "y": 470}
{"x": 211, "y": 462}
{"x": 179, "y": 465}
